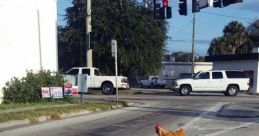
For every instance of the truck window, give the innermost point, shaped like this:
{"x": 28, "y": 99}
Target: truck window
{"x": 96, "y": 72}
{"x": 217, "y": 75}
{"x": 73, "y": 72}
{"x": 205, "y": 75}
{"x": 235, "y": 74}
{"x": 86, "y": 71}
{"x": 154, "y": 78}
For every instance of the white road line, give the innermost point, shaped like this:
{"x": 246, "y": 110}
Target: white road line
{"x": 230, "y": 129}
{"x": 215, "y": 108}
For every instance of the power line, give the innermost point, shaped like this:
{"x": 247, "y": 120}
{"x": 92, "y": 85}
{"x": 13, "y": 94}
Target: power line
{"x": 181, "y": 30}
{"x": 61, "y": 15}
{"x": 222, "y": 15}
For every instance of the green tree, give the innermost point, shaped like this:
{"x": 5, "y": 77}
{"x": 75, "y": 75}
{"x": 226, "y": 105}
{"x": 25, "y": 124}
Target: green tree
{"x": 141, "y": 39}
{"x": 253, "y": 31}
{"x": 235, "y": 40}
{"x": 186, "y": 57}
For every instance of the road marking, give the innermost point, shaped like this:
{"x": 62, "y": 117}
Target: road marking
{"x": 215, "y": 108}
{"x": 230, "y": 129}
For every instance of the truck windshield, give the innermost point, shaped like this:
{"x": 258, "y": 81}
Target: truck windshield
{"x": 73, "y": 72}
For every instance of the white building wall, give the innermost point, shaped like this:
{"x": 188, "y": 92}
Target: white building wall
{"x": 19, "y": 37}
{"x": 248, "y": 65}
{"x": 202, "y": 66}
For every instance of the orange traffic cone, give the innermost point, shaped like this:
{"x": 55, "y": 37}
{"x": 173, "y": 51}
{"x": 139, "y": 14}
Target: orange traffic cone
{"x": 163, "y": 132}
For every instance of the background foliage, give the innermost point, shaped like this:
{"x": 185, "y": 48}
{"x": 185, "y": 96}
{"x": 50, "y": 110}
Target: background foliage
{"x": 141, "y": 38}
{"x": 28, "y": 89}
{"x": 236, "y": 39}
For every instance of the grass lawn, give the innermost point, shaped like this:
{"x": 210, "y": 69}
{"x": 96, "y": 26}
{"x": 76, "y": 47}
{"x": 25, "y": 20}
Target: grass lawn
{"x": 36, "y": 105}
{"x": 51, "y": 110}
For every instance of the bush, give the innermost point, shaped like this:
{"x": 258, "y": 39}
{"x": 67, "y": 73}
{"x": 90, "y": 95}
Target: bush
{"x": 28, "y": 89}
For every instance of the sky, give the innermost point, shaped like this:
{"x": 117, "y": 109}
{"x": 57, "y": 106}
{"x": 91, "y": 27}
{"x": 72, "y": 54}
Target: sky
{"x": 210, "y": 23}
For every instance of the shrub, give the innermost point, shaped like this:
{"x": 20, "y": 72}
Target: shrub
{"x": 28, "y": 89}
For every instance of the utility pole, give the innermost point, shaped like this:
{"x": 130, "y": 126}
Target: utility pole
{"x": 89, "y": 58}
{"x": 39, "y": 35}
{"x": 193, "y": 42}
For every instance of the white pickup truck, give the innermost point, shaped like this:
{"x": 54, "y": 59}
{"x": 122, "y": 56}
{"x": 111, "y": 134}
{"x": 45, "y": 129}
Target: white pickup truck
{"x": 95, "y": 80}
{"x": 228, "y": 82}
{"x": 152, "y": 82}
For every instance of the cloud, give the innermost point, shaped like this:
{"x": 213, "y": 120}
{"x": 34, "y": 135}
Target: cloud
{"x": 250, "y": 5}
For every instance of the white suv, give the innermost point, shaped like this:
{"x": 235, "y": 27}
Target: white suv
{"x": 228, "y": 82}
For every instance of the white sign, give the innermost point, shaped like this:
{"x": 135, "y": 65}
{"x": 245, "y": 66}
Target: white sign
{"x": 56, "y": 92}
{"x": 45, "y": 92}
{"x": 114, "y": 47}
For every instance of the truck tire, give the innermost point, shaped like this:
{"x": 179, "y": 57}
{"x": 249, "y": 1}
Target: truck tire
{"x": 232, "y": 90}
{"x": 185, "y": 90}
{"x": 141, "y": 85}
{"x": 152, "y": 85}
{"x": 107, "y": 89}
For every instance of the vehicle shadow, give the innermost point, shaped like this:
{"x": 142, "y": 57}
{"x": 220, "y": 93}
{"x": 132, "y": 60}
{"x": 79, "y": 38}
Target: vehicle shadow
{"x": 173, "y": 93}
{"x": 167, "y": 92}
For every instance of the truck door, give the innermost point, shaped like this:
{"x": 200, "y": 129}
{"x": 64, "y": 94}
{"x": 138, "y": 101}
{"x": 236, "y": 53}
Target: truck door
{"x": 89, "y": 78}
{"x": 217, "y": 82}
{"x": 202, "y": 82}
{"x": 96, "y": 78}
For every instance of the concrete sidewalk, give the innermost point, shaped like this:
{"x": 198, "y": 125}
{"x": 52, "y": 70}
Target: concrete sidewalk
{"x": 236, "y": 110}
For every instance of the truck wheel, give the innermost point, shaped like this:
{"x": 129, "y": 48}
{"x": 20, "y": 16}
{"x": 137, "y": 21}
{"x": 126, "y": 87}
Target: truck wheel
{"x": 232, "y": 90}
{"x": 107, "y": 89}
{"x": 152, "y": 85}
{"x": 141, "y": 85}
{"x": 184, "y": 90}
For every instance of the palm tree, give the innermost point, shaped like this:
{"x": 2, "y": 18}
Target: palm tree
{"x": 253, "y": 31}
{"x": 236, "y": 34}
{"x": 235, "y": 40}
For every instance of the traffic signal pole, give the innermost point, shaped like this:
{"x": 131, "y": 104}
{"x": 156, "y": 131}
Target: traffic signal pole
{"x": 193, "y": 43}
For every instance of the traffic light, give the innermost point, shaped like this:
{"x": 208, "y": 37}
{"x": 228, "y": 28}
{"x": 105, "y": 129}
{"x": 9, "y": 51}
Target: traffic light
{"x": 168, "y": 12}
{"x": 224, "y": 3}
{"x": 228, "y": 2}
{"x": 183, "y": 7}
{"x": 157, "y": 7}
{"x": 162, "y": 13}
{"x": 165, "y": 3}
{"x": 195, "y": 6}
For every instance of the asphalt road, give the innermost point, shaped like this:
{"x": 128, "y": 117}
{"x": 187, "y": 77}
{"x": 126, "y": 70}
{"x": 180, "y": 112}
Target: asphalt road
{"x": 196, "y": 113}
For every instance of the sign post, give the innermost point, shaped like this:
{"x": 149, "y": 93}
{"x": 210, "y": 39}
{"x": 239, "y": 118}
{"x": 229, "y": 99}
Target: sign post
{"x": 114, "y": 54}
